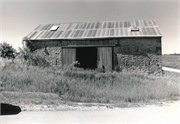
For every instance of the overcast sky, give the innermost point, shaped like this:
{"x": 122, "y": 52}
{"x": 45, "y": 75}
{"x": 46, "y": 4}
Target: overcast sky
{"x": 20, "y": 17}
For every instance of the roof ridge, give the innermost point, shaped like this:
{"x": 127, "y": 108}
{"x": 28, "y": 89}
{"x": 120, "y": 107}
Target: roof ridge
{"x": 96, "y": 21}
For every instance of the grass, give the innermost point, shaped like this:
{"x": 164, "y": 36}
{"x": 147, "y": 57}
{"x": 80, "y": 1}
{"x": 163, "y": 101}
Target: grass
{"x": 52, "y": 85}
{"x": 30, "y": 98}
{"x": 172, "y": 61}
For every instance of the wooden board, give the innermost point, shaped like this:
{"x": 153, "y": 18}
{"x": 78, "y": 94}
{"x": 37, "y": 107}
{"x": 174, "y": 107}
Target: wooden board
{"x": 68, "y": 56}
{"x": 105, "y": 58}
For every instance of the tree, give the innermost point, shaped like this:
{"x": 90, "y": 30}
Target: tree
{"x": 26, "y": 54}
{"x": 26, "y": 51}
{"x": 28, "y": 44}
{"x": 7, "y": 51}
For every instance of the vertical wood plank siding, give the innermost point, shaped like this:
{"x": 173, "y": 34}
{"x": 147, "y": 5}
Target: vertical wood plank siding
{"x": 105, "y": 57}
{"x": 68, "y": 56}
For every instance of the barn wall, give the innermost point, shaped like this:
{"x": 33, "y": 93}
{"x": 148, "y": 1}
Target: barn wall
{"x": 144, "y": 53}
{"x": 51, "y": 51}
{"x": 46, "y": 43}
{"x": 89, "y": 42}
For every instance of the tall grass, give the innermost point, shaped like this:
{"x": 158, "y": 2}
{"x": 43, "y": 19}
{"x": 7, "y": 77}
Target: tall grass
{"x": 172, "y": 61}
{"x": 80, "y": 85}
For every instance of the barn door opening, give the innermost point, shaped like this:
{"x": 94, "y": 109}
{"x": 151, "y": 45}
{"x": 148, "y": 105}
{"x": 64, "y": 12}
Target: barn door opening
{"x": 87, "y": 57}
{"x": 105, "y": 58}
{"x": 68, "y": 56}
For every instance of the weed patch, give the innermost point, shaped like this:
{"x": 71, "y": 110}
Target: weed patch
{"x": 88, "y": 86}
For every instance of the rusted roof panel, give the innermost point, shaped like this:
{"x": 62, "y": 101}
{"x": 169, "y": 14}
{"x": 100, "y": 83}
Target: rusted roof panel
{"x": 103, "y": 29}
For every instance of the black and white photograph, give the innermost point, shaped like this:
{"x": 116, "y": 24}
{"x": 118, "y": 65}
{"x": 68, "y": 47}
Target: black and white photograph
{"x": 90, "y": 61}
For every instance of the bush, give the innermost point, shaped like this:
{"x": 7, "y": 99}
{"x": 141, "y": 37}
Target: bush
{"x": 7, "y": 51}
{"x": 27, "y": 57}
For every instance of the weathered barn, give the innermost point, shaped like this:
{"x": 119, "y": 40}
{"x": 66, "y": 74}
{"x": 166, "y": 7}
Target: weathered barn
{"x": 112, "y": 44}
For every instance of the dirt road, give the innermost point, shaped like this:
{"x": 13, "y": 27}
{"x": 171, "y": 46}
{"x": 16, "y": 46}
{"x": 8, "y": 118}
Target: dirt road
{"x": 171, "y": 69}
{"x": 167, "y": 114}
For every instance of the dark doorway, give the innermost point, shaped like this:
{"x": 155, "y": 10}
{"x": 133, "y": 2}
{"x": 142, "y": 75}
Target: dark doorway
{"x": 87, "y": 57}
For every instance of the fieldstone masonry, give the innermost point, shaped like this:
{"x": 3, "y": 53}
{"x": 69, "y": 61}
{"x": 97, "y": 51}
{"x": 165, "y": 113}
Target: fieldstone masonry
{"x": 150, "y": 63}
{"x": 51, "y": 54}
{"x": 141, "y": 53}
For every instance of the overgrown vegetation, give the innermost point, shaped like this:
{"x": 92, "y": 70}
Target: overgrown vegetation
{"x": 172, "y": 61}
{"x": 27, "y": 57}
{"x": 33, "y": 76}
{"x": 78, "y": 85}
{"x": 7, "y": 51}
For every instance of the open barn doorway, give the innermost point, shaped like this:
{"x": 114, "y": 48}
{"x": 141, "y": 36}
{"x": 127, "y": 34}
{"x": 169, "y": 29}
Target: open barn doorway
{"x": 87, "y": 57}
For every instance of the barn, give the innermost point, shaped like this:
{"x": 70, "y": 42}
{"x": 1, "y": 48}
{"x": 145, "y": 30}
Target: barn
{"x": 107, "y": 44}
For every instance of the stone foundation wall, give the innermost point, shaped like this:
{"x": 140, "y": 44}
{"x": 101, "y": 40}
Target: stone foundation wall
{"x": 51, "y": 54}
{"x": 142, "y": 53}
{"x": 150, "y": 63}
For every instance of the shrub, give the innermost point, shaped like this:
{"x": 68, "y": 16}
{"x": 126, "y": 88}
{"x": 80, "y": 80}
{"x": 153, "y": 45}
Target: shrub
{"x": 27, "y": 57}
{"x": 7, "y": 51}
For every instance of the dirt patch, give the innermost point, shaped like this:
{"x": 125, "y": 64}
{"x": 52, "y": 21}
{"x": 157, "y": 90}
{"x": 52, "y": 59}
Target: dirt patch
{"x": 88, "y": 106}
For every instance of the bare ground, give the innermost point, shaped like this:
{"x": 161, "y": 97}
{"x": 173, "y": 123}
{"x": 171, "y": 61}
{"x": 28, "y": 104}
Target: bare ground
{"x": 166, "y": 113}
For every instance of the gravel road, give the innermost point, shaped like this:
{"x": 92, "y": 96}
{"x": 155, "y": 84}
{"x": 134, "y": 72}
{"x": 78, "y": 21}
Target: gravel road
{"x": 171, "y": 69}
{"x": 166, "y": 114}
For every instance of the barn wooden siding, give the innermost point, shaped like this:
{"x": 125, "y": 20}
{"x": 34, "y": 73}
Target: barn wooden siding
{"x": 105, "y": 58}
{"x": 68, "y": 55}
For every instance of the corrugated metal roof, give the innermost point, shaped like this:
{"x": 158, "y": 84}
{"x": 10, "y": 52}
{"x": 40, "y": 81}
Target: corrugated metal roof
{"x": 103, "y": 29}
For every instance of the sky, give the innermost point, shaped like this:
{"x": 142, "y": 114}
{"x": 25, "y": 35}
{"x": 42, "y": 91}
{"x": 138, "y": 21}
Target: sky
{"x": 19, "y": 17}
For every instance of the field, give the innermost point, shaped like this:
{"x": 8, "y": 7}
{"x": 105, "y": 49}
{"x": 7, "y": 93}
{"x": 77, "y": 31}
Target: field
{"x": 23, "y": 84}
{"x": 172, "y": 61}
